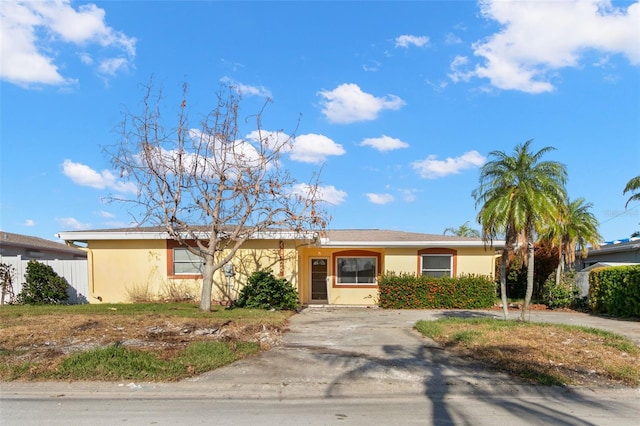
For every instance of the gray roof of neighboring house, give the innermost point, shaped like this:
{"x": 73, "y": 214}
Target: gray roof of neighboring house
{"x": 328, "y": 238}
{"x": 9, "y": 239}
{"x": 629, "y": 244}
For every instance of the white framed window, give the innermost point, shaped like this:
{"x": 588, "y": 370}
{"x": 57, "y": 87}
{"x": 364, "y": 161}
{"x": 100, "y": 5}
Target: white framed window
{"x": 437, "y": 265}
{"x": 359, "y": 270}
{"x": 185, "y": 262}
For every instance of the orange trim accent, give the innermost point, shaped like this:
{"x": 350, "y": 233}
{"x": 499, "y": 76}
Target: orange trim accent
{"x": 354, "y": 253}
{"x": 437, "y": 250}
{"x": 281, "y": 257}
{"x": 171, "y": 244}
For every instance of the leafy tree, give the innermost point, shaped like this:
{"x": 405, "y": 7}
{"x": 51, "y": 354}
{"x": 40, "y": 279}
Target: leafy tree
{"x": 43, "y": 285}
{"x": 209, "y": 187}
{"x": 518, "y": 195}
{"x": 573, "y": 230}
{"x": 463, "y": 230}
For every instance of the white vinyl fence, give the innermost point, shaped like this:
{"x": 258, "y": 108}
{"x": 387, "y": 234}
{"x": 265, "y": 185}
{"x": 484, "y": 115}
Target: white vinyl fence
{"x": 74, "y": 271}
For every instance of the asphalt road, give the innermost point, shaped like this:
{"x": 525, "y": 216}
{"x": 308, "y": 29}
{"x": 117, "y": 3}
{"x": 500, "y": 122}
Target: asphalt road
{"x": 450, "y": 409}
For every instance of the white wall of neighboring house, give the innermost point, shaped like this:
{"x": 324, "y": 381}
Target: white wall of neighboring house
{"x": 74, "y": 271}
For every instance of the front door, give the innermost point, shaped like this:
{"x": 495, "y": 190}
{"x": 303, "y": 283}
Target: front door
{"x": 319, "y": 272}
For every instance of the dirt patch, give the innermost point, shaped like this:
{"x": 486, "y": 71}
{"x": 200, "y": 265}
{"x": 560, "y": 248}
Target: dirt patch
{"x": 546, "y": 353}
{"x": 48, "y": 338}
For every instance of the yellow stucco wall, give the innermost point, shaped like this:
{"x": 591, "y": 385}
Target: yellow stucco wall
{"x": 399, "y": 260}
{"x": 134, "y": 270}
{"x": 120, "y": 271}
{"x": 129, "y": 270}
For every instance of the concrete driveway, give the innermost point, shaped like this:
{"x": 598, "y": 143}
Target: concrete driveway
{"x": 340, "y": 352}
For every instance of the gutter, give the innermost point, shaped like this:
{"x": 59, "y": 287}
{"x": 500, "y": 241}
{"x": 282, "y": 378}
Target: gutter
{"x": 138, "y": 235}
{"x": 407, "y": 244}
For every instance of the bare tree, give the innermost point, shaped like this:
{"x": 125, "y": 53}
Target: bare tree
{"x": 211, "y": 188}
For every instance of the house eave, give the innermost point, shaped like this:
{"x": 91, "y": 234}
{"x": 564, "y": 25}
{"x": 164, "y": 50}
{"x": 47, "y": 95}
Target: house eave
{"x": 81, "y": 236}
{"x": 408, "y": 244}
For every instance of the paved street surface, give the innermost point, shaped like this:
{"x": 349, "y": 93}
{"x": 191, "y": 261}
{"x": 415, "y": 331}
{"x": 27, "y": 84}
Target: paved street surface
{"x": 353, "y": 366}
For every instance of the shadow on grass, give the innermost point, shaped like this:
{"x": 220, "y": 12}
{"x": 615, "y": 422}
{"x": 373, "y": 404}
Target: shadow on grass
{"x": 467, "y": 314}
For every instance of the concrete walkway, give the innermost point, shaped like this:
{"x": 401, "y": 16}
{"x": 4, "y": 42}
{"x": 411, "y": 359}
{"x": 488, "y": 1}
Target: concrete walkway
{"x": 354, "y": 353}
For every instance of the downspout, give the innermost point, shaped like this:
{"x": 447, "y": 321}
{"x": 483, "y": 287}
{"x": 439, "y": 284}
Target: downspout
{"x": 92, "y": 283}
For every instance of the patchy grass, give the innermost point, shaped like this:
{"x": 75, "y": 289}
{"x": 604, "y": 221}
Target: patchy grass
{"x": 546, "y": 354}
{"x": 160, "y": 342}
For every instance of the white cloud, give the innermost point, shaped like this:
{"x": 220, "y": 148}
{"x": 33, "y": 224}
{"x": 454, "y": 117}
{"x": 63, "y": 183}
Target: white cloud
{"x": 329, "y": 194}
{"x": 431, "y": 168}
{"x": 457, "y": 69}
{"x": 380, "y": 198}
{"x": 31, "y": 29}
{"x": 272, "y": 139}
{"x": 314, "y": 148}
{"x": 451, "y": 39}
{"x": 384, "y": 143}
{"x": 347, "y": 103}
{"x": 86, "y": 176}
{"x": 29, "y": 222}
{"x": 105, "y": 215}
{"x": 539, "y": 38}
{"x": 374, "y": 66}
{"x": 409, "y": 195}
{"x": 408, "y": 40}
{"x": 245, "y": 89}
{"x": 72, "y": 223}
{"x": 113, "y": 66}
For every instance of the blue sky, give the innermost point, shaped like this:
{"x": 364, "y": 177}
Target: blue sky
{"x": 400, "y": 103}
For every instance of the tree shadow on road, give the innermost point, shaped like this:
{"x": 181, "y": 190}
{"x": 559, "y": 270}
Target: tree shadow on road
{"x": 446, "y": 378}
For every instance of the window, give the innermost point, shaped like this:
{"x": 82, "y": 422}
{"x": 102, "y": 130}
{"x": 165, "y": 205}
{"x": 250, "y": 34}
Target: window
{"x": 185, "y": 262}
{"x": 357, "y": 270}
{"x": 437, "y": 265}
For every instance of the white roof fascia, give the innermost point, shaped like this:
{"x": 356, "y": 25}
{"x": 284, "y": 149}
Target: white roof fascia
{"x": 120, "y": 235}
{"x": 399, "y": 244}
{"x": 285, "y": 235}
{"x": 86, "y": 236}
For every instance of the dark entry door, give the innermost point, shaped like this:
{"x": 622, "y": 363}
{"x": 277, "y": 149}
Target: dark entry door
{"x": 319, "y": 271}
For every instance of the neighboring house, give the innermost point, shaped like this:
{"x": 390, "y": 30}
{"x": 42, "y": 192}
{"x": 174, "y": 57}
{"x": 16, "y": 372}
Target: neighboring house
{"x": 337, "y": 267}
{"x": 29, "y": 248}
{"x": 17, "y": 250}
{"x": 625, "y": 251}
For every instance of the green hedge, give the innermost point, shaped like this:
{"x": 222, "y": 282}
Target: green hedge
{"x": 615, "y": 291}
{"x": 406, "y": 291}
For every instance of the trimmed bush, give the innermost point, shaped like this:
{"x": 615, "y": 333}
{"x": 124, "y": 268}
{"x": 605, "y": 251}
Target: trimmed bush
{"x": 406, "y": 291}
{"x": 264, "y": 291}
{"x": 43, "y": 286}
{"x": 615, "y": 291}
{"x": 563, "y": 294}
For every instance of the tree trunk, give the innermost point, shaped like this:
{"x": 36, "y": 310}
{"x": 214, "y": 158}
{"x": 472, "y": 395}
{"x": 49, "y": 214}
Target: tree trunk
{"x": 503, "y": 283}
{"x": 207, "y": 284}
{"x": 529, "y": 292}
{"x": 560, "y": 268}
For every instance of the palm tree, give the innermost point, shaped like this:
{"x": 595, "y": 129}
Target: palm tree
{"x": 632, "y": 186}
{"x": 463, "y": 230}
{"x": 573, "y": 230}
{"x": 518, "y": 194}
